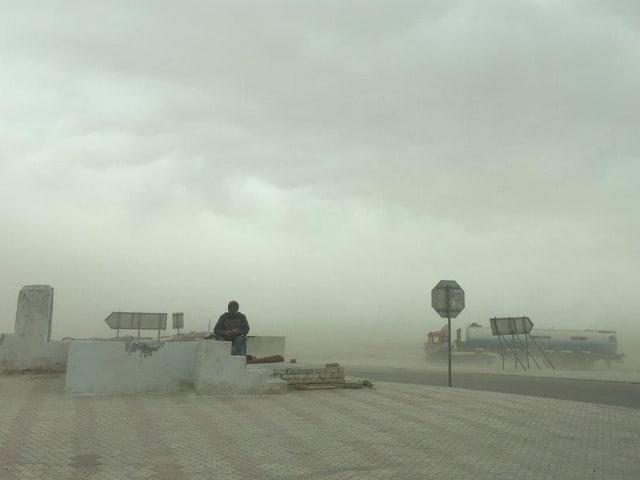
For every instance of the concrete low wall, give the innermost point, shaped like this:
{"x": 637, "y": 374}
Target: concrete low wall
{"x": 220, "y": 373}
{"x": 133, "y": 366}
{"x": 21, "y": 352}
{"x": 31, "y": 353}
{"x": 96, "y": 367}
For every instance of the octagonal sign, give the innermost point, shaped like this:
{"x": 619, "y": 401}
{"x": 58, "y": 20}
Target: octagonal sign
{"x": 447, "y": 298}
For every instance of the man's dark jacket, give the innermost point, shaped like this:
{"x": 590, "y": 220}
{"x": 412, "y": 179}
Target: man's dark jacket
{"x": 228, "y": 321}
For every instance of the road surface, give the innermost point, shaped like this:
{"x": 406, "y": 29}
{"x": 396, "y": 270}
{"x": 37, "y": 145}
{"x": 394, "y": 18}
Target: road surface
{"x": 621, "y": 394}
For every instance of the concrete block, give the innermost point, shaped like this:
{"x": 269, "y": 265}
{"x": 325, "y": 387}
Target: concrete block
{"x": 28, "y": 353}
{"x": 35, "y": 312}
{"x": 30, "y": 348}
{"x": 96, "y": 367}
{"x": 220, "y": 373}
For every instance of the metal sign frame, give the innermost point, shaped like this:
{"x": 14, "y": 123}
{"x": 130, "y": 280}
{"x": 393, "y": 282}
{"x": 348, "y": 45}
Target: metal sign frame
{"x": 514, "y": 327}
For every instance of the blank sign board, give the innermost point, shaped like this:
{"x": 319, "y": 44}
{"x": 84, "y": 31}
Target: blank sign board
{"x": 137, "y": 321}
{"x": 511, "y": 325}
{"x": 178, "y": 320}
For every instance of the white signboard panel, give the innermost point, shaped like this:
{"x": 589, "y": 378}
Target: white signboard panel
{"x": 137, "y": 321}
{"x": 178, "y": 321}
{"x": 511, "y": 325}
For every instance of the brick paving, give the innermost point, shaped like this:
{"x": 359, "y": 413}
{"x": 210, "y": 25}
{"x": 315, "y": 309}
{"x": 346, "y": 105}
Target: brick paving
{"x": 393, "y": 431}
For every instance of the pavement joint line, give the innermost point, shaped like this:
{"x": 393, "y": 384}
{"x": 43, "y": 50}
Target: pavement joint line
{"x": 400, "y": 421}
{"x": 16, "y": 441}
{"x": 420, "y": 407}
{"x": 391, "y": 431}
{"x": 220, "y": 436}
{"x": 86, "y": 458}
{"x": 563, "y": 420}
{"x": 167, "y": 469}
{"x": 355, "y": 439}
{"x": 283, "y": 428}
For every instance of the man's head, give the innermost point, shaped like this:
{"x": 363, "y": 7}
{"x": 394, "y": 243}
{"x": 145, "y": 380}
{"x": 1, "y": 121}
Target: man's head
{"x": 233, "y": 306}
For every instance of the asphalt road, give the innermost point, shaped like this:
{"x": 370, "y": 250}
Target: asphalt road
{"x": 592, "y": 391}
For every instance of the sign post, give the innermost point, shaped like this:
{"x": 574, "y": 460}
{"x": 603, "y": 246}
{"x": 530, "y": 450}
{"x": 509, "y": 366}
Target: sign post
{"x": 178, "y": 322}
{"x": 447, "y": 298}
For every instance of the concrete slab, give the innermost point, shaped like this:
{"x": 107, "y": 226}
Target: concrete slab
{"x": 130, "y": 367}
{"x": 35, "y": 312}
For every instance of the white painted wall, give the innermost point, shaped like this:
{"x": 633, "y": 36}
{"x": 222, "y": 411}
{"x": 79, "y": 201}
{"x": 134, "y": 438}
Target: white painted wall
{"x": 220, "y": 373}
{"x": 26, "y": 352}
{"x": 99, "y": 367}
{"x": 95, "y": 367}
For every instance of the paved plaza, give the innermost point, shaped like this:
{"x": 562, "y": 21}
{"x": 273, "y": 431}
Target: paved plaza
{"x": 392, "y": 431}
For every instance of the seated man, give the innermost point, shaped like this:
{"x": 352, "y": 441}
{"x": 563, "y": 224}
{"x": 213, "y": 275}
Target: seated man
{"x": 232, "y": 326}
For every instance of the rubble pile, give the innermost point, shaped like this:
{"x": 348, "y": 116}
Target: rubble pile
{"x": 311, "y": 378}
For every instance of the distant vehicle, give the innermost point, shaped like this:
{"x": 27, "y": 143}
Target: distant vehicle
{"x": 564, "y": 347}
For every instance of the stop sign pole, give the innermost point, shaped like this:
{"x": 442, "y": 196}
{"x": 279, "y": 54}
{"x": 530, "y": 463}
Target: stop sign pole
{"x": 447, "y": 298}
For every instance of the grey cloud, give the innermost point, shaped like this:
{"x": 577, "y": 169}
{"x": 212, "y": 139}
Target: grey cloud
{"x": 354, "y": 150}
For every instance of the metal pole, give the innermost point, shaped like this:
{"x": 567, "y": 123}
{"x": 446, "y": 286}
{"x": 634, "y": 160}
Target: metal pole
{"x": 449, "y": 331}
{"x": 449, "y": 336}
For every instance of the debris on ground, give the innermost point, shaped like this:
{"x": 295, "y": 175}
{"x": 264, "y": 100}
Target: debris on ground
{"x": 350, "y": 382}
{"x": 270, "y": 359}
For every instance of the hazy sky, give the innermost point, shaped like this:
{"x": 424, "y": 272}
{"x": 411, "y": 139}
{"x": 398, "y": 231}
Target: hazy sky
{"x": 325, "y": 163}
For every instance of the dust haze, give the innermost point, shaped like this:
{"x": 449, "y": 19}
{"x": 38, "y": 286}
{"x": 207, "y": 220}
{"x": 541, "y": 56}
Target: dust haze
{"x": 323, "y": 164}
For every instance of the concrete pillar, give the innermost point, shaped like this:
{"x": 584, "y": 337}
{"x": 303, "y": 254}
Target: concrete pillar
{"x": 35, "y": 312}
